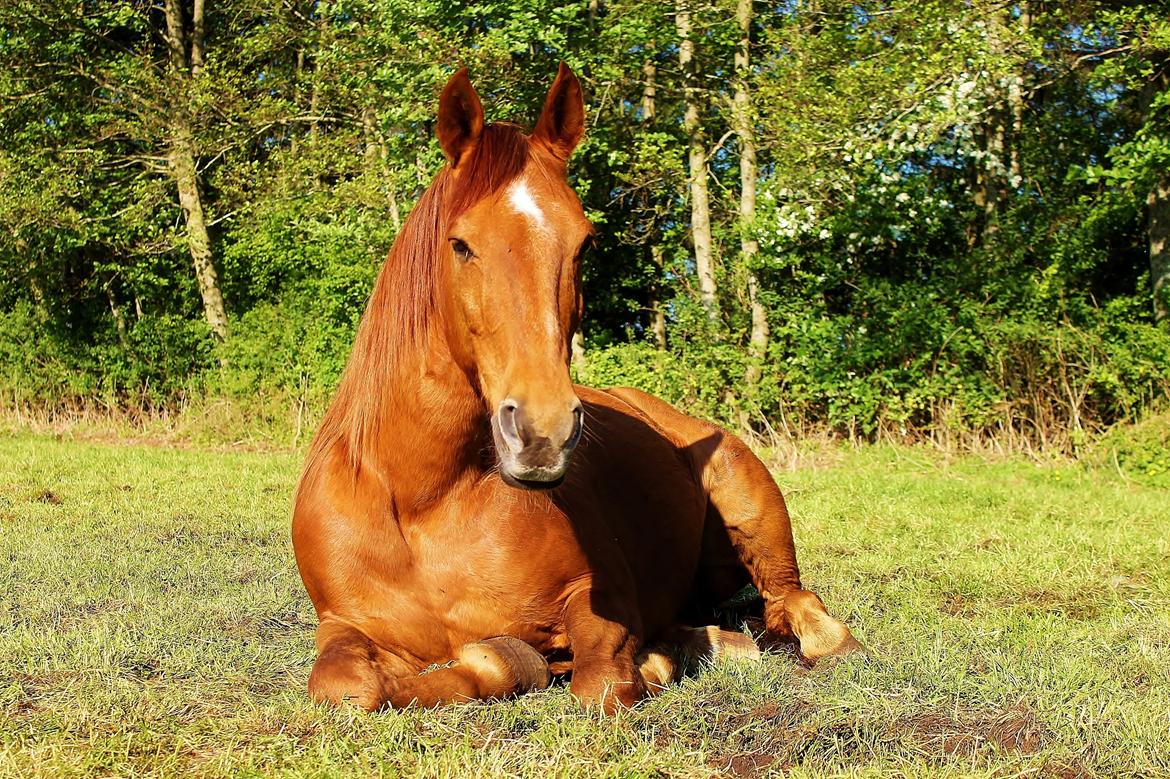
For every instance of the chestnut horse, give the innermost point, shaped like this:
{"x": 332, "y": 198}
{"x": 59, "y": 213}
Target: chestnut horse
{"x": 450, "y": 550}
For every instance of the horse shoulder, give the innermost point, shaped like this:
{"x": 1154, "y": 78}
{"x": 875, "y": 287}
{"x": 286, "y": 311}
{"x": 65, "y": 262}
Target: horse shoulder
{"x": 345, "y": 534}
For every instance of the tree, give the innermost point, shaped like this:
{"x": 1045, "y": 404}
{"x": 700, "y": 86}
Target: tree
{"x": 185, "y": 44}
{"x": 928, "y": 201}
{"x": 749, "y": 246}
{"x": 696, "y": 161}
{"x": 1138, "y": 167}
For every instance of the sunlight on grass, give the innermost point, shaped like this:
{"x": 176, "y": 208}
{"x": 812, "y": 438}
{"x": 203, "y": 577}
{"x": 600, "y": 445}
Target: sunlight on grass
{"x": 1018, "y": 616}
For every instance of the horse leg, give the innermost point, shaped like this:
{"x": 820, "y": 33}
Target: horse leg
{"x": 352, "y": 669}
{"x": 663, "y": 663}
{"x": 745, "y": 502}
{"x": 746, "y": 512}
{"x": 607, "y": 665}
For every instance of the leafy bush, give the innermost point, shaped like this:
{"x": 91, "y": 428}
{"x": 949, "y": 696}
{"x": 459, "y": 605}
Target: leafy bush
{"x": 915, "y": 367}
{"x": 1140, "y": 451}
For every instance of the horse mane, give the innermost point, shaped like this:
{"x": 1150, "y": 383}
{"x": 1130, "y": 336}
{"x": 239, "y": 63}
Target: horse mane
{"x": 402, "y": 307}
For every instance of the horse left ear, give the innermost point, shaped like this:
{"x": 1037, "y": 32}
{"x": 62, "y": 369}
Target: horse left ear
{"x": 562, "y": 122}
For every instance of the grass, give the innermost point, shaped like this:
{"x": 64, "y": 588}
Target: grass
{"x": 152, "y": 623}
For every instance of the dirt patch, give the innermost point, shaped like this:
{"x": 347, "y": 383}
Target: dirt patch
{"x": 35, "y": 691}
{"x": 262, "y": 627}
{"x": 80, "y": 615}
{"x": 956, "y": 605}
{"x": 188, "y": 534}
{"x": 1080, "y": 606}
{"x": 49, "y": 497}
{"x": 839, "y": 551}
{"x": 748, "y": 764}
{"x": 768, "y": 735}
{"x": 781, "y": 735}
{"x": 1065, "y": 769}
{"x": 1015, "y": 729}
{"x": 888, "y": 576}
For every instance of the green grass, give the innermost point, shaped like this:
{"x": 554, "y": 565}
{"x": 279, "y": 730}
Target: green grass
{"x": 152, "y": 623}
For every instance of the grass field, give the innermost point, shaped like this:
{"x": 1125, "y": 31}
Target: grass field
{"x": 152, "y": 623}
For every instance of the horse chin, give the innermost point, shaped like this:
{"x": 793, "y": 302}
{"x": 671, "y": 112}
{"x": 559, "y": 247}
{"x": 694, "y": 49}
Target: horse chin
{"x": 530, "y": 483}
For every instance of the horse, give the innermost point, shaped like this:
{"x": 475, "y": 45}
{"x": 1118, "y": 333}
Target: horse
{"x": 470, "y": 523}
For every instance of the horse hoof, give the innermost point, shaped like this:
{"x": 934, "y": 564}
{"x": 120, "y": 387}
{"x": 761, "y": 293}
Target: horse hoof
{"x": 525, "y": 667}
{"x": 713, "y": 643}
{"x": 845, "y": 646}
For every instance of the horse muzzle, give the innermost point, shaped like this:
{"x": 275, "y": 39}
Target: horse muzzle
{"x": 534, "y": 451}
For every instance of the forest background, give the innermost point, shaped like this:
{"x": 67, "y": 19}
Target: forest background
{"x": 938, "y": 219}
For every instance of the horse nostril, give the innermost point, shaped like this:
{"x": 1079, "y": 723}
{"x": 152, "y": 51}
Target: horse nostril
{"x": 509, "y": 425}
{"x": 578, "y": 428}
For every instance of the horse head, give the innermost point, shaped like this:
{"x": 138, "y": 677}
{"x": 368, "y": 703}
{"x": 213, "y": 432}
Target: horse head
{"x": 513, "y": 258}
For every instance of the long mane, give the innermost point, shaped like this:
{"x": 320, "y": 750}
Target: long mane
{"x": 402, "y": 307}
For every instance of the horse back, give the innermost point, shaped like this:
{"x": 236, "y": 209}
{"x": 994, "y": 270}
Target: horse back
{"x": 697, "y": 441}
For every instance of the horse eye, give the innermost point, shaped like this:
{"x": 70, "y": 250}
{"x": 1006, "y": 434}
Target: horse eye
{"x": 461, "y": 249}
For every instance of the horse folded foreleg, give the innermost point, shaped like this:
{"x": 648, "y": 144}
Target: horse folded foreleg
{"x": 351, "y": 669}
{"x": 609, "y": 671}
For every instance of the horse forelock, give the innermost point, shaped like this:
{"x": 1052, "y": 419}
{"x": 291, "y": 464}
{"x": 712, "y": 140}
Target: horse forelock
{"x": 402, "y": 307}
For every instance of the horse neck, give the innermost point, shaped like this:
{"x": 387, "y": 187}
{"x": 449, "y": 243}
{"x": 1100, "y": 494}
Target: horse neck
{"x": 426, "y": 432}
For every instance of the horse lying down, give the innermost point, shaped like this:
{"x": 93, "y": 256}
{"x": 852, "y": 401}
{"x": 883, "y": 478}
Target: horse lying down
{"x": 439, "y": 520}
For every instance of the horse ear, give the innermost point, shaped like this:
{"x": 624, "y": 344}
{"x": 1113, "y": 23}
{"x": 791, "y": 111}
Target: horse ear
{"x": 562, "y": 122}
{"x": 460, "y": 118}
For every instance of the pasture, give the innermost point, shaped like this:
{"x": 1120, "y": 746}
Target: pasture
{"x": 1018, "y": 615}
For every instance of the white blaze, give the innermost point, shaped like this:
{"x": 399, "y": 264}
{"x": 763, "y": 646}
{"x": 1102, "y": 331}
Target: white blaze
{"x": 521, "y": 199}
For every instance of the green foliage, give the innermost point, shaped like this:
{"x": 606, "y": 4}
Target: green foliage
{"x": 1139, "y": 451}
{"x": 162, "y": 358}
{"x": 912, "y": 364}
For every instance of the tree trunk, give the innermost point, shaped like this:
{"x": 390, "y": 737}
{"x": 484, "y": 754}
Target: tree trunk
{"x": 578, "y": 350}
{"x": 749, "y": 246}
{"x": 181, "y": 159}
{"x": 377, "y": 163}
{"x": 996, "y": 171}
{"x": 315, "y": 88}
{"x": 314, "y": 93}
{"x": 1158, "y": 198}
{"x": 697, "y": 162}
{"x": 197, "y": 30}
{"x": 657, "y": 312}
{"x": 182, "y": 164}
{"x": 119, "y": 317}
{"x": 993, "y": 177}
{"x": 1159, "y": 230}
{"x": 293, "y": 129}
{"x": 176, "y": 38}
{"x": 421, "y": 172}
{"x": 1015, "y": 103}
{"x": 391, "y": 189}
{"x": 649, "y": 108}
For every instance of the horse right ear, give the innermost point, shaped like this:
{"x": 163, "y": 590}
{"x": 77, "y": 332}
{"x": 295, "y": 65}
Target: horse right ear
{"x": 562, "y": 122}
{"x": 460, "y": 118}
